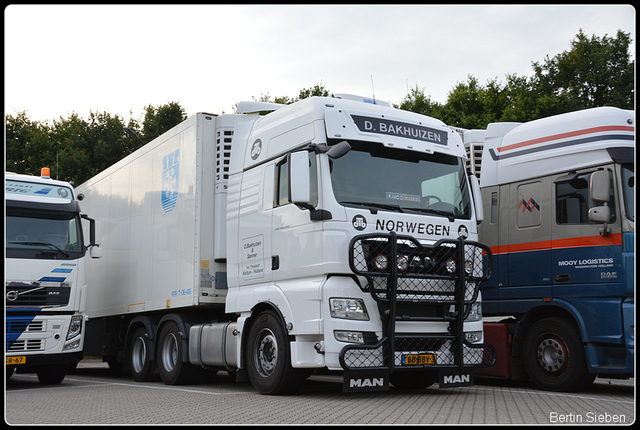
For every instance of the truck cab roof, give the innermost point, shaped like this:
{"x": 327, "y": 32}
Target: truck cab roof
{"x": 318, "y": 119}
{"x": 515, "y": 151}
{"x": 20, "y": 187}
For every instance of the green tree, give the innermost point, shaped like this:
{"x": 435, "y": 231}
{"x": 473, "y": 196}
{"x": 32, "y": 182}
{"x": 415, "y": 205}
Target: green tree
{"x": 595, "y": 72}
{"x": 416, "y": 101}
{"x": 76, "y": 149}
{"x": 27, "y": 148}
{"x": 319, "y": 89}
{"x": 159, "y": 119}
{"x": 519, "y": 100}
{"x": 70, "y": 139}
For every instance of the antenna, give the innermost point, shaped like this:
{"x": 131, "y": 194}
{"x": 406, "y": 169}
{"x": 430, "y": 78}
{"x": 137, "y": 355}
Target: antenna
{"x": 373, "y": 91}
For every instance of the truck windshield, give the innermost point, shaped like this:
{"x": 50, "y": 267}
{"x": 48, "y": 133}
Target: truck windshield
{"x": 37, "y": 233}
{"x": 374, "y": 176}
{"x": 628, "y": 186}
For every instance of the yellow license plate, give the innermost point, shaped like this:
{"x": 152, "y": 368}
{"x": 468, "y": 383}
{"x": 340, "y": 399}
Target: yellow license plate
{"x": 16, "y": 360}
{"x": 418, "y": 359}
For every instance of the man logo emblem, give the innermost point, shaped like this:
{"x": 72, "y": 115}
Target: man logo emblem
{"x": 359, "y": 222}
{"x": 463, "y": 232}
{"x": 256, "y": 149}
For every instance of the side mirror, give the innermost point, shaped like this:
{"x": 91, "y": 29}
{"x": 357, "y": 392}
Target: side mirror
{"x": 477, "y": 198}
{"x": 599, "y": 192}
{"x": 95, "y": 252}
{"x": 92, "y": 229}
{"x": 600, "y": 186}
{"x": 600, "y": 214}
{"x": 299, "y": 182}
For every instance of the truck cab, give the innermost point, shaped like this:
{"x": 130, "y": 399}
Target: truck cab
{"x": 559, "y": 194}
{"x": 326, "y": 201}
{"x": 45, "y": 276}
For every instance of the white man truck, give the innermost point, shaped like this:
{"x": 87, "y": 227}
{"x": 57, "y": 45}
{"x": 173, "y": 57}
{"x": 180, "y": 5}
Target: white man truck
{"x": 45, "y": 276}
{"x": 559, "y": 198}
{"x": 327, "y": 234}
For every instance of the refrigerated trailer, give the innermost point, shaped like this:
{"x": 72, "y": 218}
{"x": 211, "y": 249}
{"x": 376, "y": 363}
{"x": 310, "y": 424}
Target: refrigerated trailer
{"x": 45, "y": 276}
{"x": 559, "y": 194}
{"x": 327, "y": 234}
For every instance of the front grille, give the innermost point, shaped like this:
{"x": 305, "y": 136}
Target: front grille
{"x": 421, "y": 270}
{"x": 25, "y": 345}
{"x": 43, "y": 294}
{"x": 424, "y": 278}
{"x": 414, "y": 282}
{"x": 443, "y": 347}
{"x": 23, "y": 326}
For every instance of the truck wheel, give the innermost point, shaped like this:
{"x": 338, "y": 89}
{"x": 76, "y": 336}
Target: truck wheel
{"x": 139, "y": 356}
{"x": 413, "y": 380}
{"x": 53, "y": 374}
{"x": 554, "y": 358}
{"x": 268, "y": 358}
{"x": 172, "y": 369}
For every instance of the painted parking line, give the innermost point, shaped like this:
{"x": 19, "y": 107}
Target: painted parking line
{"x": 147, "y": 386}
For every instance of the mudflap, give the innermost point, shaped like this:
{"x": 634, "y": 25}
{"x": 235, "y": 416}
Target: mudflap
{"x": 451, "y": 378}
{"x": 359, "y": 381}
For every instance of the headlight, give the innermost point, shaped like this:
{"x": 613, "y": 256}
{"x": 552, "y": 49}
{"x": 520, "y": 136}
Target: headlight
{"x": 353, "y": 309}
{"x": 475, "y": 314}
{"x": 450, "y": 265}
{"x": 75, "y": 327}
{"x": 381, "y": 262}
{"x": 468, "y": 267}
{"x": 403, "y": 263}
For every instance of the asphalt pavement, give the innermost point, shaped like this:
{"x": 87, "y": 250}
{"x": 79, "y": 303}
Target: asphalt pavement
{"x": 92, "y": 395}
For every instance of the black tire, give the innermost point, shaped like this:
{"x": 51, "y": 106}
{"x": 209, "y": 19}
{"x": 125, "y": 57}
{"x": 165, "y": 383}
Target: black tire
{"x": 53, "y": 374}
{"x": 172, "y": 370}
{"x": 554, "y": 357}
{"x": 140, "y": 362}
{"x": 268, "y": 357}
{"x": 414, "y": 379}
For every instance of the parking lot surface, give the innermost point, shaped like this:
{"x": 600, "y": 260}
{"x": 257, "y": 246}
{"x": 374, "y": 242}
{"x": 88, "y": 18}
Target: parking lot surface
{"x": 92, "y": 395}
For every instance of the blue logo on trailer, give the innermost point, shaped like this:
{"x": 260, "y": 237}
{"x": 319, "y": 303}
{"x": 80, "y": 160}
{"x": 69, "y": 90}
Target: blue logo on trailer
{"x": 44, "y": 191}
{"x": 170, "y": 175}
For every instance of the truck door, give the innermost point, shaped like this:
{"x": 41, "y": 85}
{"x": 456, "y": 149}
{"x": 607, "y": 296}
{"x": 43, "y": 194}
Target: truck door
{"x": 297, "y": 251}
{"x": 529, "y": 242}
{"x": 587, "y": 267}
{"x": 296, "y": 247}
{"x": 581, "y": 255}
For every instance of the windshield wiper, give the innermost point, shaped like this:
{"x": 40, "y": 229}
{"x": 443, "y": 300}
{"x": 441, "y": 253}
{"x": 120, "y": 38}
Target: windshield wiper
{"x": 40, "y": 243}
{"x": 446, "y": 214}
{"x": 374, "y": 206}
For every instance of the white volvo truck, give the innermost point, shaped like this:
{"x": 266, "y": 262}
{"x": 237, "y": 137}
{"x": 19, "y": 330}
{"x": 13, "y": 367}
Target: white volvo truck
{"x": 328, "y": 234}
{"x": 45, "y": 276}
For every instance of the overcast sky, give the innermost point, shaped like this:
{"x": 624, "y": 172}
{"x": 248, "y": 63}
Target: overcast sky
{"x": 119, "y": 59}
